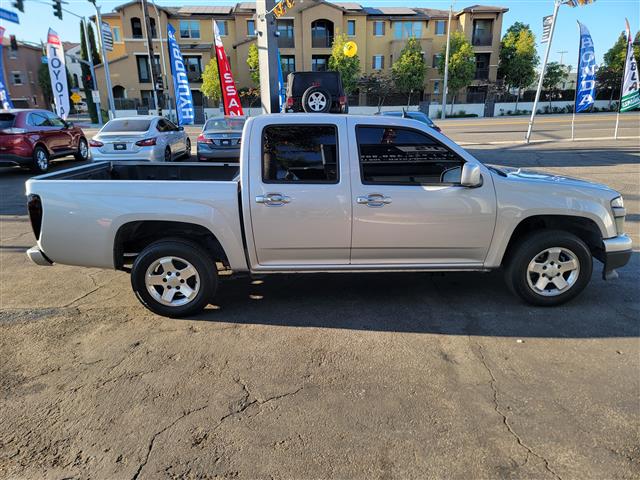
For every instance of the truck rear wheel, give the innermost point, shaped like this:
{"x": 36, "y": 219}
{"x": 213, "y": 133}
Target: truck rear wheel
{"x": 174, "y": 278}
{"x": 549, "y": 268}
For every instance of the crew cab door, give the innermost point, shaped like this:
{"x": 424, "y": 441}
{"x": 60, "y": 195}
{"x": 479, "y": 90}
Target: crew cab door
{"x": 299, "y": 192}
{"x": 408, "y": 204}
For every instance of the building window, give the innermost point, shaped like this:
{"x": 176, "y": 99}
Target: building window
{"x": 154, "y": 30}
{"x": 193, "y": 64}
{"x": 16, "y": 78}
{"x": 288, "y": 63}
{"x": 222, "y": 27}
{"x": 482, "y": 32}
{"x": 189, "y": 29}
{"x": 378, "y": 62}
{"x": 321, "y": 34}
{"x": 251, "y": 28}
{"x": 436, "y": 86}
{"x": 407, "y": 29}
{"x": 378, "y": 28}
{"x": 351, "y": 28}
{"x": 144, "y": 76}
{"x": 116, "y": 34}
{"x": 482, "y": 66}
{"x": 319, "y": 63}
{"x": 136, "y": 27}
{"x": 436, "y": 60}
{"x": 441, "y": 27}
{"x": 285, "y": 29}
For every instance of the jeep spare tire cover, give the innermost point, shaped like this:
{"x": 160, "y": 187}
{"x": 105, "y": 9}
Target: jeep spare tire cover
{"x": 316, "y": 100}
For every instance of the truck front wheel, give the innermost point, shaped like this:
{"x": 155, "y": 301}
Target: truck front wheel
{"x": 174, "y": 278}
{"x": 549, "y": 268}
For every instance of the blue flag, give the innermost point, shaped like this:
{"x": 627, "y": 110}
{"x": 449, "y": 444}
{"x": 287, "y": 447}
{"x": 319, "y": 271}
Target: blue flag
{"x": 5, "y": 99}
{"x": 586, "y": 86}
{"x": 281, "y": 85}
{"x": 184, "y": 101}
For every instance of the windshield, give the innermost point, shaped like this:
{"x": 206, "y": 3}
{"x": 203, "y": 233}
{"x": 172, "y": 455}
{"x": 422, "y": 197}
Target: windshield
{"x": 127, "y": 125}
{"x": 6, "y": 120}
{"x": 233, "y": 124}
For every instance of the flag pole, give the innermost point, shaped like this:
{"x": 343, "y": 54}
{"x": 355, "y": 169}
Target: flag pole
{"x": 575, "y": 93}
{"x": 556, "y": 6}
{"x": 627, "y": 34}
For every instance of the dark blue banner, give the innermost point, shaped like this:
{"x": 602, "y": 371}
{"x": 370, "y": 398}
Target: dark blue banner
{"x": 586, "y": 85}
{"x": 184, "y": 101}
{"x": 5, "y": 99}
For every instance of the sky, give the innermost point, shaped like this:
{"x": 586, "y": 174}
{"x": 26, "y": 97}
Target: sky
{"x": 604, "y": 18}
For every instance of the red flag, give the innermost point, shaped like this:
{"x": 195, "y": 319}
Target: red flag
{"x": 230, "y": 97}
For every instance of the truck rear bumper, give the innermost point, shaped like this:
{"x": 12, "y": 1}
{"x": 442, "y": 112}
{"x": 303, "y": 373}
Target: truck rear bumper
{"x": 617, "y": 253}
{"x": 38, "y": 257}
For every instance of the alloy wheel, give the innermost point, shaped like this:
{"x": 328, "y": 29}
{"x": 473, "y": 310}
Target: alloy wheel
{"x": 553, "y": 271}
{"x": 317, "y": 101}
{"x": 172, "y": 281}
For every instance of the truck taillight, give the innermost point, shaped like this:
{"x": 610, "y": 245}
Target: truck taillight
{"x": 289, "y": 102}
{"x": 34, "y": 205}
{"x": 343, "y": 100}
{"x": 147, "y": 142}
{"x": 95, "y": 143}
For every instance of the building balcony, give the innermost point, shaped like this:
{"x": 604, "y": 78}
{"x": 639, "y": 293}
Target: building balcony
{"x": 481, "y": 40}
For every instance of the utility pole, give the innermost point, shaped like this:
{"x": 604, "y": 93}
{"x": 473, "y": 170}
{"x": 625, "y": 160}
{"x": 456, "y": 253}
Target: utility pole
{"x": 562, "y": 52}
{"x": 268, "y": 56}
{"x": 443, "y": 113}
{"x": 152, "y": 63}
{"x": 105, "y": 61}
{"x": 165, "y": 75}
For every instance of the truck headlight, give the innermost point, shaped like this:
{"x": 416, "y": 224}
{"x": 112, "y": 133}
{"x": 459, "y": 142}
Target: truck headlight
{"x": 619, "y": 212}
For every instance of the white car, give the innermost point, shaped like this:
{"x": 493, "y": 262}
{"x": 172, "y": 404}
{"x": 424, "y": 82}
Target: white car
{"x": 148, "y": 138}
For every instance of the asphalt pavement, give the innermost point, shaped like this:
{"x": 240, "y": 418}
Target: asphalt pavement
{"x": 326, "y": 376}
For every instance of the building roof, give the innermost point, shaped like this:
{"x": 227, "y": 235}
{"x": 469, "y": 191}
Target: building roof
{"x": 483, "y": 8}
{"x": 389, "y": 11}
{"x": 204, "y": 10}
{"x": 349, "y": 6}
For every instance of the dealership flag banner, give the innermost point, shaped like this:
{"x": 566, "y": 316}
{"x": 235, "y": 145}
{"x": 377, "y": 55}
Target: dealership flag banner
{"x": 586, "y": 91}
{"x": 58, "y": 74}
{"x": 184, "y": 100}
{"x": 630, "y": 95}
{"x": 230, "y": 98}
{"x": 5, "y": 99}
{"x": 281, "y": 85}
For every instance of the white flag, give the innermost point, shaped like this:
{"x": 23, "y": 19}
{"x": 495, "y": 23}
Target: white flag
{"x": 630, "y": 95}
{"x": 58, "y": 74}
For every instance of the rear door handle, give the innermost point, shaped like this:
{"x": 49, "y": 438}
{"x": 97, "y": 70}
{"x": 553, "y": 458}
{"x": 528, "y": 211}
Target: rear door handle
{"x": 374, "y": 200}
{"x": 273, "y": 199}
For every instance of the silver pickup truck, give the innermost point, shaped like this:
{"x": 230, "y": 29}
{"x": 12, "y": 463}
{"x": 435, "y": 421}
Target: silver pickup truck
{"x": 320, "y": 193}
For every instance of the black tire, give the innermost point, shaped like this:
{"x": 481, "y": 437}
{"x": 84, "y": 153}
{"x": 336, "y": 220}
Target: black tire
{"x": 184, "y": 250}
{"x": 187, "y": 152}
{"x": 40, "y": 162}
{"x": 167, "y": 155}
{"x": 312, "y": 100}
{"x": 79, "y": 155}
{"x": 568, "y": 247}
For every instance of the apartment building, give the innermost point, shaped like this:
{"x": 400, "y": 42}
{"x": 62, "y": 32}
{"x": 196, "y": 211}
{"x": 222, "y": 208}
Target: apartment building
{"x": 21, "y": 63}
{"x": 305, "y": 37}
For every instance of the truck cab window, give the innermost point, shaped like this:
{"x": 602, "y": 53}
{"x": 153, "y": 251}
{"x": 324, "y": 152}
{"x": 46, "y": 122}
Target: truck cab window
{"x": 403, "y": 156}
{"x": 300, "y": 154}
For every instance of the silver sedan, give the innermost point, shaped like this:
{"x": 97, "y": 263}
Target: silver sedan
{"x": 143, "y": 138}
{"x": 220, "y": 140}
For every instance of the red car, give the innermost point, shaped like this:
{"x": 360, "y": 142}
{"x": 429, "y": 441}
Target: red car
{"x": 32, "y": 138}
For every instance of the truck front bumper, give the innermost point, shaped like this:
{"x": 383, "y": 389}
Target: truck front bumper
{"x": 617, "y": 252}
{"x": 38, "y": 257}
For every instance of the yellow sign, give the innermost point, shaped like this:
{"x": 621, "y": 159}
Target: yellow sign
{"x": 350, "y": 49}
{"x": 75, "y": 98}
{"x": 281, "y": 7}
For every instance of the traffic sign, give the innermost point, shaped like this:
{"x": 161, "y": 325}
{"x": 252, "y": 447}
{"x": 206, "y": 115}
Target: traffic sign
{"x": 9, "y": 16}
{"x": 107, "y": 37}
{"x": 95, "y": 95}
{"x": 75, "y": 98}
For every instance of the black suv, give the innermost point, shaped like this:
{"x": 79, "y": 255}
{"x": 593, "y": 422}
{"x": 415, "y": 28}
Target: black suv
{"x": 316, "y": 92}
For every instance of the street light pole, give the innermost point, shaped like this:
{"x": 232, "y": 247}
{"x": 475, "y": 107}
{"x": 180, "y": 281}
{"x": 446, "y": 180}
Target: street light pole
{"x": 152, "y": 61}
{"x": 268, "y": 56}
{"x": 443, "y": 113}
{"x": 105, "y": 61}
{"x": 164, "y": 65}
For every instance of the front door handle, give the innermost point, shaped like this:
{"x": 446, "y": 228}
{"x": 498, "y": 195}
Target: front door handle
{"x": 273, "y": 199}
{"x": 374, "y": 200}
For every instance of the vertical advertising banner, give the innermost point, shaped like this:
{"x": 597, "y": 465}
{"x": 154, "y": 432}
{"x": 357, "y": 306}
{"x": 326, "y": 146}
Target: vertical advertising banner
{"x": 282, "y": 88}
{"x": 586, "y": 88}
{"x": 58, "y": 74}
{"x": 230, "y": 98}
{"x": 184, "y": 100}
{"x": 5, "y": 99}
{"x": 630, "y": 95}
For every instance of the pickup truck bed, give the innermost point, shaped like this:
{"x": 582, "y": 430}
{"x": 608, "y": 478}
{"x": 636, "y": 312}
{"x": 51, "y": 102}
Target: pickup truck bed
{"x": 147, "y": 171}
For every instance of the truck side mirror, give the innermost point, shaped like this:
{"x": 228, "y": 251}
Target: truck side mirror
{"x": 471, "y": 176}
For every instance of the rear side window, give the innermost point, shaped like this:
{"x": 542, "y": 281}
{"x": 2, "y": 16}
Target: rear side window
{"x": 300, "y": 154}
{"x": 403, "y": 156}
{"x": 127, "y": 125}
{"x": 6, "y": 120}
{"x": 37, "y": 120}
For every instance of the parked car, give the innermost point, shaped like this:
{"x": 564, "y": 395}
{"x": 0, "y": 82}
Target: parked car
{"x": 327, "y": 193}
{"x": 148, "y": 138}
{"x": 416, "y": 115}
{"x": 32, "y": 138}
{"x": 220, "y": 140}
{"x": 315, "y": 92}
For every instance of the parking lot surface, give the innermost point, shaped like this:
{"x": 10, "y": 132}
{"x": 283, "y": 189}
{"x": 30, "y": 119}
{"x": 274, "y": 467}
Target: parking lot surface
{"x": 323, "y": 376}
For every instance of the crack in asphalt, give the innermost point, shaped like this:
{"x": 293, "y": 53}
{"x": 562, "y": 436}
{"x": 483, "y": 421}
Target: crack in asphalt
{"x": 160, "y": 432}
{"x": 505, "y": 420}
